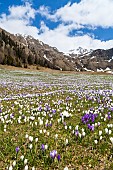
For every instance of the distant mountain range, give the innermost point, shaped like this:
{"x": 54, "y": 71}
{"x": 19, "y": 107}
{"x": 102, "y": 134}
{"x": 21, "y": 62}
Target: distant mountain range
{"x": 21, "y": 51}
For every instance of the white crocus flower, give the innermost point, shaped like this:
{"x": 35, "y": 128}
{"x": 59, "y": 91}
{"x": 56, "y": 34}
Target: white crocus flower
{"x": 66, "y": 114}
{"x": 30, "y": 138}
{"x": 104, "y": 119}
{"x": 26, "y": 167}
{"x": 46, "y": 146}
{"x": 44, "y": 130}
{"x": 36, "y": 123}
{"x": 100, "y": 132}
{"x": 111, "y": 125}
{"x": 25, "y": 161}
{"x": 30, "y": 146}
{"x": 66, "y": 141}
{"x": 33, "y": 168}
{"x": 76, "y": 128}
{"x": 82, "y": 130}
{"x": 11, "y": 168}
{"x": 106, "y": 130}
{"x": 22, "y": 157}
{"x": 26, "y": 136}
{"x": 111, "y": 139}
{"x": 66, "y": 168}
{"x": 109, "y": 132}
{"x": 83, "y": 133}
{"x": 40, "y": 131}
{"x": 80, "y": 135}
{"x": 48, "y": 133}
{"x": 106, "y": 115}
{"x": 96, "y": 124}
{"x": 73, "y": 131}
{"x": 4, "y": 130}
{"x": 41, "y": 122}
{"x": 95, "y": 141}
{"x": 59, "y": 120}
{"x": 14, "y": 163}
{"x": 56, "y": 136}
{"x": 100, "y": 137}
{"x": 36, "y": 140}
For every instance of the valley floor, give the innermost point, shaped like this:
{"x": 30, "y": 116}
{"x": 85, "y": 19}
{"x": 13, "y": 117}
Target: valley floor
{"x": 44, "y": 69}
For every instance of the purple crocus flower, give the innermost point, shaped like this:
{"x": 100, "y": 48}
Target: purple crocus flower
{"x": 111, "y": 108}
{"x": 59, "y": 102}
{"x": 67, "y": 98}
{"x": 91, "y": 127}
{"x": 50, "y": 124}
{"x": 11, "y": 116}
{"x": 58, "y": 157}
{"x": 53, "y": 154}
{"x": 42, "y": 147}
{"x": 109, "y": 116}
{"x": 53, "y": 111}
{"x": 47, "y": 125}
{"x": 76, "y": 132}
{"x": 47, "y": 108}
{"x": 17, "y": 149}
{"x": 85, "y": 118}
{"x": 60, "y": 114}
{"x": 89, "y": 117}
{"x": 40, "y": 108}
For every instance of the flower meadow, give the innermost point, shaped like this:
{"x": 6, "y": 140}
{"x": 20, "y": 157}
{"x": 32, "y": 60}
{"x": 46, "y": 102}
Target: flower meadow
{"x": 55, "y": 121}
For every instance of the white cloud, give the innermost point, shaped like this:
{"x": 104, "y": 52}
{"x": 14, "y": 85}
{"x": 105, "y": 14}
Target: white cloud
{"x": 59, "y": 38}
{"x": 19, "y": 20}
{"x": 88, "y": 12}
{"x": 18, "y": 12}
{"x": 45, "y": 11}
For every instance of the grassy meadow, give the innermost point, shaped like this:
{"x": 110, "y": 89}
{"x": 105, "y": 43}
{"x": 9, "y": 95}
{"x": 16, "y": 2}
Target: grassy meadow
{"x": 51, "y": 121}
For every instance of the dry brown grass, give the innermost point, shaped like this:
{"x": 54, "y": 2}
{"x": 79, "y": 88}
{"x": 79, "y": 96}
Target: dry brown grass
{"x": 48, "y": 70}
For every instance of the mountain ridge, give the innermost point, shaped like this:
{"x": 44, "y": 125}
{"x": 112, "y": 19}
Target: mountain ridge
{"x": 17, "y": 50}
{"x": 21, "y": 51}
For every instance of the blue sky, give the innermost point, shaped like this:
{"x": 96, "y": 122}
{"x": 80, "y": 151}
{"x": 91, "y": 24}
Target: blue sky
{"x": 61, "y": 23}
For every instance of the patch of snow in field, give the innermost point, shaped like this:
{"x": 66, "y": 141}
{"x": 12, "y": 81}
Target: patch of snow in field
{"x": 100, "y": 70}
{"x": 88, "y": 70}
{"x": 107, "y": 69}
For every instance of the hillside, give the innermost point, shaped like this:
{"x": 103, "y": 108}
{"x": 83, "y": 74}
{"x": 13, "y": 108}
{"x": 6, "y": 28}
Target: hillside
{"x": 21, "y": 51}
